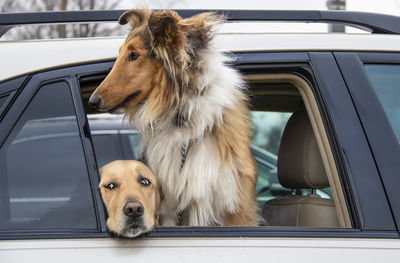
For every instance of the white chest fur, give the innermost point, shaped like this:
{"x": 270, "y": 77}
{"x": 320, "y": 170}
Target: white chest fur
{"x": 204, "y": 189}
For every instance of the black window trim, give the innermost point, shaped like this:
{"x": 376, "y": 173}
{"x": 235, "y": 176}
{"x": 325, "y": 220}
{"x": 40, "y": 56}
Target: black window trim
{"x": 10, "y": 120}
{"x": 354, "y": 153}
{"x": 11, "y": 88}
{"x": 9, "y": 98}
{"x": 381, "y": 138}
{"x": 264, "y": 61}
{"x": 85, "y": 136}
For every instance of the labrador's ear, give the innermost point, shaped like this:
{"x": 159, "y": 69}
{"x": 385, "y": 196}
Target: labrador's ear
{"x": 135, "y": 17}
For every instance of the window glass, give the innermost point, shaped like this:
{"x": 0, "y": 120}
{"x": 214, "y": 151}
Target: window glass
{"x": 134, "y": 141}
{"x": 114, "y": 138}
{"x": 386, "y": 81}
{"x": 107, "y": 147}
{"x": 43, "y": 179}
{"x": 110, "y": 145}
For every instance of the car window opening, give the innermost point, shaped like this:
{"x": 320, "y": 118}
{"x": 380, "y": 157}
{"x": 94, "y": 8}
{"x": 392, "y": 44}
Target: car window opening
{"x": 274, "y": 104}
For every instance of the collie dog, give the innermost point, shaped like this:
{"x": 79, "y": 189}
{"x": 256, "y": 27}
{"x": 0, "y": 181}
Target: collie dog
{"x": 191, "y": 108}
{"x": 130, "y": 193}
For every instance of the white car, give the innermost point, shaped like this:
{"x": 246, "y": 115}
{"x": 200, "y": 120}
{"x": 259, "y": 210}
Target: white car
{"x": 346, "y": 84}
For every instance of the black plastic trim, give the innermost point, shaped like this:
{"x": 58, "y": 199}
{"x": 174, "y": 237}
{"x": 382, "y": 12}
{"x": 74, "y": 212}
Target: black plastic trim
{"x": 376, "y": 23}
{"x": 267, "y": 232}
{"x": 16, "y": 108}
{"x": 88, "y": 150}
{"x": 56, "y": 234}
{"x": 217, "y": 232}
{"x": 276, "y": 57}
{"x": 366, "y": 195}
{"x": 381, "y": 137}
{"x": 12, "y": 84}
{"x": 11, "y": 88}
{"x": 381, "y": 57}
{"x": 4, "y": 106}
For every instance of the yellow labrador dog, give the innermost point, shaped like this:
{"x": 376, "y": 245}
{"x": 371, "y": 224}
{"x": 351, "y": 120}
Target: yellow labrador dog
{"x": 130, "y": 193}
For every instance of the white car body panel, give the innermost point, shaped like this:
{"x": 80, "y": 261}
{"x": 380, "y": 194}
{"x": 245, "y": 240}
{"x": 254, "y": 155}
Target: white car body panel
{"x": 26, "y": 56}
{"x": 202, "y": 250}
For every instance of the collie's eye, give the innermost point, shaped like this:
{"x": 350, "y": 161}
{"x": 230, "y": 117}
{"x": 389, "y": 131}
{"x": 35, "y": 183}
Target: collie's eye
{"x": 133, "y": 56}
{"x": 110, "y": 186}
{"x": 144, "y": 181}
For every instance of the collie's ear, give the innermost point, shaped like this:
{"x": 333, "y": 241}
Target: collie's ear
{"x": 200, "y": 30}
{"x": 165, "y": 30}
{"x": 135, "y": 17}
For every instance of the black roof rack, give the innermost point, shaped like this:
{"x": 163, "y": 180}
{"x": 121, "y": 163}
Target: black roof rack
{"x": 375, "y": 23}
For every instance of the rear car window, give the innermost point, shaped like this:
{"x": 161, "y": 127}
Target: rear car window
{"x": 44, "y": 182}
{"x": 385, "y": 79}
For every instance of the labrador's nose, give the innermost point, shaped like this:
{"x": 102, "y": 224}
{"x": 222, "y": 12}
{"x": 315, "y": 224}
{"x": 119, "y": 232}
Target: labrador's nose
{"x": 133, "y": 209}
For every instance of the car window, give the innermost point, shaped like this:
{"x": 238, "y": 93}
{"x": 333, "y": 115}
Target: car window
{"x": 44, "y": 180}
{"x": 385, "y": 79}
{"x": 134, "y": 142}
{"x": 107, "y": 147}
{"x": 268, "y": 127}
{"x": 110, "y": 145}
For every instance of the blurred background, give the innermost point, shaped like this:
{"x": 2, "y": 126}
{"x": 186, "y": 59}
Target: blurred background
{"x": 391, "y": 7}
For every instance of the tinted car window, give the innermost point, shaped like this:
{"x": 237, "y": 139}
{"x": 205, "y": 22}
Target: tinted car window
{"x": 385, "y": 80}
{"x": 107, "y": 147}
{"x": 44, "y": 179}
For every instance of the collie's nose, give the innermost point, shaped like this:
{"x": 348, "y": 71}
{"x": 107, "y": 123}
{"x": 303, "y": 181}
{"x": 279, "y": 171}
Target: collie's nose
{"x": 133, "y": 209}
{"x": 94, "y": 102}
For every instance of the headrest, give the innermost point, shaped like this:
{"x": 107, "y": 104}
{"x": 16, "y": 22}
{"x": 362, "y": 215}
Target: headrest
{"x": 299, "y": 160}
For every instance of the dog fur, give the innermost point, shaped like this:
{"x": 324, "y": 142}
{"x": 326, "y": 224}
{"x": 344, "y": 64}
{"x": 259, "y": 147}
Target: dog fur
{"x": 192, "y": 111}
{"x": 125, "y": 187}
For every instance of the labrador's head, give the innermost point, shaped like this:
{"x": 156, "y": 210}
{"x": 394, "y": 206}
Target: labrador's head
{"x": 130, "y": 193}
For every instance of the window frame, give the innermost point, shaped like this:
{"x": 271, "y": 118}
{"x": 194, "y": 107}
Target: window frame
{"x": 9, "y": 88}
{"x": 337, "y": 111}
{"x": 26, "y": 94}
{"x": 382, "y": 140}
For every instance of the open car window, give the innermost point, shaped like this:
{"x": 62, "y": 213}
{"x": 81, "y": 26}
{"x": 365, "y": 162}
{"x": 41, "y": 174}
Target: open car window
{"x": 274, "y": 101}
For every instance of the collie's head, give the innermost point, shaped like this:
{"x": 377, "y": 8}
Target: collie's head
{"x": 157, "y": 62}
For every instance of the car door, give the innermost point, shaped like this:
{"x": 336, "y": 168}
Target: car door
{"x": 368, "y": 234}
{"x": 46, "y": 173}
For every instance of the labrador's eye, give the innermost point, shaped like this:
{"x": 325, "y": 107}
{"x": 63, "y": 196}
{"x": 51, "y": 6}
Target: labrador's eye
{"x": 144, "y": 181}
{"x": 110, "y": 186}
{"x": 133, "y": 56}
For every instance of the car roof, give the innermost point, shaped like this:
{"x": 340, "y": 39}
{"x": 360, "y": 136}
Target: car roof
{"x": 33, "y": 55}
